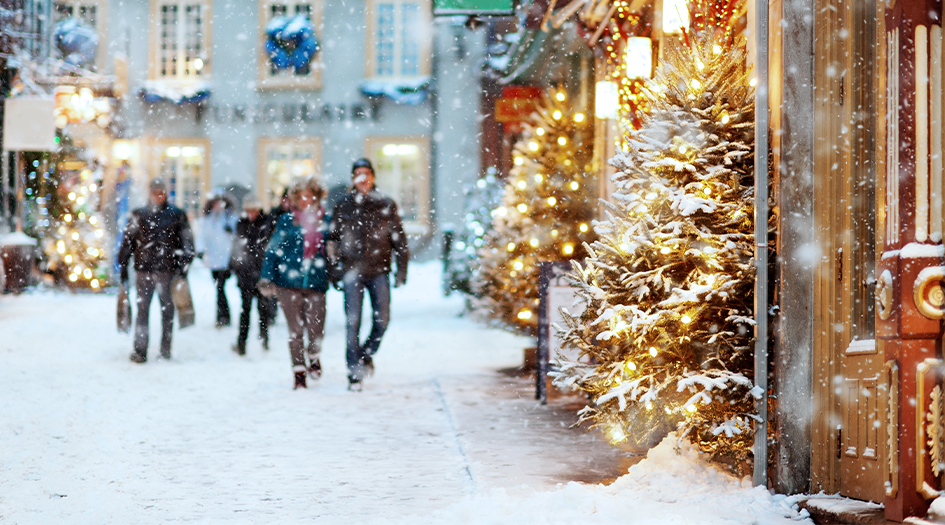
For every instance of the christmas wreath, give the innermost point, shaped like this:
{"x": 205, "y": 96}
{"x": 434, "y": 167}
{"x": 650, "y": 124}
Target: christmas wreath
{"x": 291, "y": 43}
{"x": 76, "y": 43}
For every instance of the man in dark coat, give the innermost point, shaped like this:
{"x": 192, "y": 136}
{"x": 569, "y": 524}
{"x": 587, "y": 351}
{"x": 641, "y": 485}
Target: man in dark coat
{"x": 159, "y": 238}
{"x": 365, "y": 235}
{"x": 249, "y": 246}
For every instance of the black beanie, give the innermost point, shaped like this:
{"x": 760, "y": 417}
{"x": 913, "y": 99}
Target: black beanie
{"x": 362, "y": 163}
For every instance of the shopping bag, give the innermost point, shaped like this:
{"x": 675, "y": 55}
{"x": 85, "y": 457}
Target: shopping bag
{"x": 124, "y": 310}
{"x": 183, "y": 302}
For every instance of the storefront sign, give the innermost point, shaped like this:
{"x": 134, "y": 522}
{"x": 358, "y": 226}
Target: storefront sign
{"x": 290, "y": 112}
{"x": 473, "y": 7}
{"x": 29, "y": 124}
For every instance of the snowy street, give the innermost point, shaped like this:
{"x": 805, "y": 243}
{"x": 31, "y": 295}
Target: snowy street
{"x": 86, "y": 436}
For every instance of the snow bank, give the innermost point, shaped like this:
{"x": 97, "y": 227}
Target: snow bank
{"x": 665, "y": 488}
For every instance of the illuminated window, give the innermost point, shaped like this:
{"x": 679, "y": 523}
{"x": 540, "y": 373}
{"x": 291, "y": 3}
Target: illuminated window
{"x": 181, "y": 47}
{"x": 183, "y": 165}
{"x": 402, "y": 171}
{"x": 270, "y": 76}
{"x": 283, "y": 161}
{"x": 398, "y": 38}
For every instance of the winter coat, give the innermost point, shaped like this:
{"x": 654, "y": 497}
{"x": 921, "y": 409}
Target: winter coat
{"x": 160, "y": 240}
{"x": 283, "y": 264}
{"x": 249, "y": 248}
{"x": 215, "y": 241}
{"x": 368, "y": 232}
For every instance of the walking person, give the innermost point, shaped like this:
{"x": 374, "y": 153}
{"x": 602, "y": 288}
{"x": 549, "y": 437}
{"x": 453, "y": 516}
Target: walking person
{"x": 159, "y": 238}
{"x": 215, "y": 246}
{"x": 365, "y": 235}
{"x": 284, "y": 206}
{"x": 249, "y": 247}
{"x": 295, "y": 270}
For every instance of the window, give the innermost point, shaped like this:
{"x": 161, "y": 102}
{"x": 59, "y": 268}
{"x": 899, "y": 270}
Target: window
{"x": 268, "y": 75}
{"x": 91, "y": 14}
{"x": 402, "y": 171}
{"x": 181, "y": 48}
{"x": 183, "y": 164}
{"x": 282, "y": 161}
{"x": 398, "y": 38}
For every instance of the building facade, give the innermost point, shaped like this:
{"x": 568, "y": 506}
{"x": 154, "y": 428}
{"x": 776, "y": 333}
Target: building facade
{"x": 248, "y": 95}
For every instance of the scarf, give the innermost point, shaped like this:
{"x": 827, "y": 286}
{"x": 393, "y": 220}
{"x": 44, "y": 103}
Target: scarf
{"x": 311, "y": 220}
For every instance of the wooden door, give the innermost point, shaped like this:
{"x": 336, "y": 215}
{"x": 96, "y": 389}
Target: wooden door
{"x": 850, "y": 386}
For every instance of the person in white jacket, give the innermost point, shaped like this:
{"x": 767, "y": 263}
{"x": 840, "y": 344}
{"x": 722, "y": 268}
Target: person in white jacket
{"x": 215, "y": 245}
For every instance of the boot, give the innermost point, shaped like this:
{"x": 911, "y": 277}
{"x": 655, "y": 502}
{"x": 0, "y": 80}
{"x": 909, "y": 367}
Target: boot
{"x": 138, "y": 358}
{"x": 355, "y": 385}
{"x": 299, "y": 381}
{"x": 240, "y": 348}
{"x": 315, "y": 369}
{"x": 368, "y": 363}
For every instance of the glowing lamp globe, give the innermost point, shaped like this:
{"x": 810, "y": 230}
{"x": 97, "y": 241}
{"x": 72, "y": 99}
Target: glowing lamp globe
{"x": 639, "y": 57}
{"x": 606, "y": 100}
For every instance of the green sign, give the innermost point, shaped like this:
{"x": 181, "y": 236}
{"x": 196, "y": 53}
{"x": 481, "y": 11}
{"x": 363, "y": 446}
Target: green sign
{"x": 472, "y": 7}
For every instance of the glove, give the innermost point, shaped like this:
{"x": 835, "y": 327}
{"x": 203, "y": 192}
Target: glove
{"x": 400, "y": 280}
{"x": 266, "y": 288}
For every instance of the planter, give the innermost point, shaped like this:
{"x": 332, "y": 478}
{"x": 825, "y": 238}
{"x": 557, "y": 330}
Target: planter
{"x": 16, "y": 254}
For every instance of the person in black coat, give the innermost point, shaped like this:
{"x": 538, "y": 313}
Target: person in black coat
{"x": 159, "y": 238}
{"x": 366, "y": 237}
{"x": 249, "y": 246}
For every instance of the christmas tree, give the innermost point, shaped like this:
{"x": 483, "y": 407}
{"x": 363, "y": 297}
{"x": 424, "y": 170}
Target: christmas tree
{"x": 545, "y": 213}
{"x": 463, "y": 260}
{"x": 667, "y": 335}
{"x": 75, "y": 243}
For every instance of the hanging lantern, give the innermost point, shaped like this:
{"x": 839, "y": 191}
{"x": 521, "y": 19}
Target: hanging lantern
{"x": 675, "y": 16}
{"x": 606, "y": 101}
{"x": 639, "y": 57}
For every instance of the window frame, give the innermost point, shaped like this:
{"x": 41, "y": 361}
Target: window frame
{"x": 311, "y": 81}
{"x": 101, "y": 25}
{"x": 426, "y": 44}
{"x": 154, "y": 58}
{"x": 313, "y": 144}
{"x": 372, "y": 146}
{"x": 157, "y": 148}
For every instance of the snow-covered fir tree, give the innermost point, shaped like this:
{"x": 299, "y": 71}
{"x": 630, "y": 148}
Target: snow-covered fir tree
{"x": 667, "y": 335}
{"x": 462, "y": 264}
{"x": 545, "y": 213}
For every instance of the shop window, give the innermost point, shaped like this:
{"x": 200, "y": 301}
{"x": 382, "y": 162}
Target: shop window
{"x": 398, "y": 38}
{"x": 282, "y": 162}
{"x": 402, "y": 171}
{"x": 181, "y": 48}
{"x": 288, "y": 61}
{"x": 184, "y": 167}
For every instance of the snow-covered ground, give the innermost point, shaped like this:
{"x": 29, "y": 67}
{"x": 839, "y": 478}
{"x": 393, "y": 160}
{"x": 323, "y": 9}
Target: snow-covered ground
{"x": 437, "y": 436}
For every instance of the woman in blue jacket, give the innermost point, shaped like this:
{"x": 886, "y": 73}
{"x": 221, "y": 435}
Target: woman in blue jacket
{"x": 295, "y": 270}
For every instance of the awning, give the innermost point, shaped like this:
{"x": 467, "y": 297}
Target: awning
{"x": 409, "y": 91}
{"x": 159, "y": 91}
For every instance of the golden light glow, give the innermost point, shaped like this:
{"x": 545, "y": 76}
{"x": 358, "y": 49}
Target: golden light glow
{"x": 631, "y": 365}
{"x": 753, "y": 82}
{"x": 75, "y": 236}
{"x": 708, "y": 190}
{"x": 653, "y": 351}
{"x": 691, "y": 408}
{"x": 579, "y": 117}
{"x": 664, "y": 250}
{"x": 87, "y": 273}
{"x": 540, "y": 131}
{"x": 68, "y": 258}
{"x": 583, "y": 227}
{"x": 533, "y": 146}
{"x": 72, "y": 196}
{"x": 717, "y": 49}
{"x": 99, "y": 233}
{"x": 556, "y": 115}
{"x": 554, "y": 233}
{"x": 685, "y": 319}
{"x": 522, "y": 208}
{"x": 510, "y": 247}
{"x": 538, "y": 178}
{"x": 518, "y": 265}
{"x": 695, "y": 84}
{"x": 61, "y": 247}
{"x": 525, "y": 315}
{"x": 725, "y": 118}
{"x": 560, "y": 96}
{"x": 73, "y": 277}
{"x": 562, "y": 140}
{"x": 533, "y": 242}
{"x": 521, "y": 185}
{"x": 95, "y": 283}
{"x": 552, "y": 201}
{"x": 567, "y": 249}
{"x": 574, "y": 185}
{"x": 519, "y": 161}
{"x": 682, "y": 149}
{"x": 67, "y": 217}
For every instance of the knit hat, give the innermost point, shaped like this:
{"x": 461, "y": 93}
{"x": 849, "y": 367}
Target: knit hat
{"x": 158, "y": 184}
{"x": 362, "y": 163}
{"x": 251, "y": 203}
